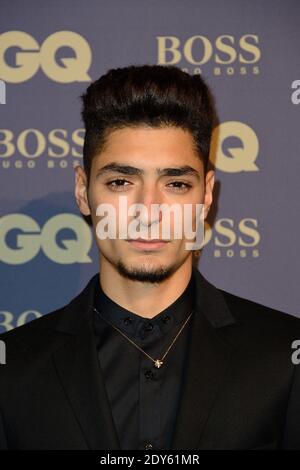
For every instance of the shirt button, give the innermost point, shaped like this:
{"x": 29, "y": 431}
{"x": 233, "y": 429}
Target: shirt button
{"x": 166, "y": 319}
{"x": 148, "y": 446}
{"x": 127, "y": 321}
{"x": 149, "y": 327}
{"x": 149, "y": 374}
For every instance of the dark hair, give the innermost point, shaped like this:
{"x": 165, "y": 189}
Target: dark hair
{"x": 153, "y": 95}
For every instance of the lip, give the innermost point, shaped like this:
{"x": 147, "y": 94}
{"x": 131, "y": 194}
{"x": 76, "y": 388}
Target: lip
{"x": 147, "y": 245}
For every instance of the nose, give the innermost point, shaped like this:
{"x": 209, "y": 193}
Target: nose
{"x": 149, "y": 198}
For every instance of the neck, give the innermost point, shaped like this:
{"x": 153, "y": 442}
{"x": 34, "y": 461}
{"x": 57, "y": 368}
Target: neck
{"x": 144, "y": 299}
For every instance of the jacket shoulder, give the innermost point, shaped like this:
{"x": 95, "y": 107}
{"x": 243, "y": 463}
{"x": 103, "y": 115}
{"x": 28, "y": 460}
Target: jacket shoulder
{"x": 37, "y": 332}
{"x": 256, "y": 314}
{"x": 69, "y": 317}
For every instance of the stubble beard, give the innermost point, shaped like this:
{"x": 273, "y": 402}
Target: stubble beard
{"x": 144, "y": 273}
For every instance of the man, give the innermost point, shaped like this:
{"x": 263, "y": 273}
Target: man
{"x": 150, "y": 355}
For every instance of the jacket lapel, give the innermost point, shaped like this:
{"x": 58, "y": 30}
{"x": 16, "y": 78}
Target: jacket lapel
{"x": 78, "y": 369}
{"x": 210, "y": 354}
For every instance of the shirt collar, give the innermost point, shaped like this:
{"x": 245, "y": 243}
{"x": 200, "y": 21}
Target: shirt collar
{"x": 139, "y": 327}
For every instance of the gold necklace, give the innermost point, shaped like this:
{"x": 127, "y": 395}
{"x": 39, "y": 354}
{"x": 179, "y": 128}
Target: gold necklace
{"x": 157, "y": 362}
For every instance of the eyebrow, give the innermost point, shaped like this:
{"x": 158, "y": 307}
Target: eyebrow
{"x": 131, "y": 170}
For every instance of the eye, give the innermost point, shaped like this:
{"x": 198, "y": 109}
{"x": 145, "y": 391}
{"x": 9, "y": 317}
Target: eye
{"x": 117, "y": 184}
{"x": 180, "y": 186}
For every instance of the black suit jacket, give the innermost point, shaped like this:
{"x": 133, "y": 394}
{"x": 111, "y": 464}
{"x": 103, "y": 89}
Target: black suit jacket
{"x": 241, "y": 389}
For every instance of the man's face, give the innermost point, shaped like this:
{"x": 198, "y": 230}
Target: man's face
{"x": 147, "y": 166}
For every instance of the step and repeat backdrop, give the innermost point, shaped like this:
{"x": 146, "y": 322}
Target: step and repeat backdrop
{"x": 249, "y": 52}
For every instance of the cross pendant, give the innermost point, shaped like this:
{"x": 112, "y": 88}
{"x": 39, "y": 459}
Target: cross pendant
{"x": 158, "y": 363}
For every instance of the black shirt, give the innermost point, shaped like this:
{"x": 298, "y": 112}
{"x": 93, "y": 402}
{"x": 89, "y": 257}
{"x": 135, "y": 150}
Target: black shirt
{"x": 144, "y": 399}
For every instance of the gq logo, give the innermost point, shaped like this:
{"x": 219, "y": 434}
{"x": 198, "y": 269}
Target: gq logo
{"x": 32, "y": 239}
{"x": 234, "y": 159}
{"x": 32, "y": 56}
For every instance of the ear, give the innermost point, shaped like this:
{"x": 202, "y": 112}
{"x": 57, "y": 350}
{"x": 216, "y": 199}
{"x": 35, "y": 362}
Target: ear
{"x": 81, "y": 190}
{"x": 209, "y": 185}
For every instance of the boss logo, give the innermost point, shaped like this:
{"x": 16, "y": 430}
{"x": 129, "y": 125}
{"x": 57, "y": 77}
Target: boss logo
{"x": 199, "y": 50}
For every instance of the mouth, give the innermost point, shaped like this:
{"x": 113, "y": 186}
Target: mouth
{"x": 148, "y": 245}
